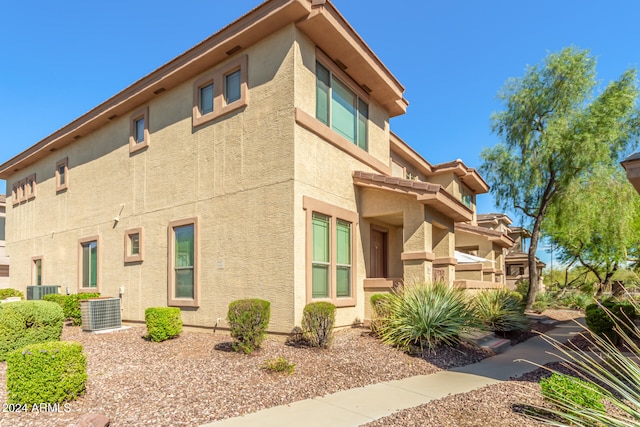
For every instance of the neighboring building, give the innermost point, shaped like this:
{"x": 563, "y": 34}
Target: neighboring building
{"x": 258, "y": 164}
{"x": 482, "y": 245}
{"x": 517, "y": 260}
{"x": 4, "y": 259}
{"x": 632, "y": 166}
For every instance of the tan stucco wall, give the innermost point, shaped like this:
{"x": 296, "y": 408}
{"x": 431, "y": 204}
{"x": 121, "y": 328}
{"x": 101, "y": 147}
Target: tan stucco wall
{"x": 239, "y": 184}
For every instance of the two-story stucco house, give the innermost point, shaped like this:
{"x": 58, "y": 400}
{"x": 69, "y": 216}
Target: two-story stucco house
{"x": 258, "y": 164}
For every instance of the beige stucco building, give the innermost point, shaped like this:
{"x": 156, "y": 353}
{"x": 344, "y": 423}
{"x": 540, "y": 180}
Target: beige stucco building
{"x": 258, "y": 164}
{"x": 4, "y": 259}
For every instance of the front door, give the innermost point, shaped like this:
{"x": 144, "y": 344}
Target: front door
{"x": 378, "y": 252}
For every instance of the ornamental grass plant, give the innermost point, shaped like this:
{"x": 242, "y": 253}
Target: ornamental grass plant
{"x": 424, "y": 316}
{"x": 500, "y": 310}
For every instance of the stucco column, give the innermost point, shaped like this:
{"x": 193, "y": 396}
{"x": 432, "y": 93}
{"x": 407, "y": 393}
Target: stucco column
{"x": 444, "y": 243}
{"x": 417, "y": 255}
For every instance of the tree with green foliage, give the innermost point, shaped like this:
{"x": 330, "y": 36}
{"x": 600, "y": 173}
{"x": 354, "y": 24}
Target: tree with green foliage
{"x": 556, "y": 128}
{"x": 596, "y": 222}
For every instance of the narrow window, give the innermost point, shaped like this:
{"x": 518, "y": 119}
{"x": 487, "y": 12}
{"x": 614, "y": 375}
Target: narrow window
{"x": 139, "y": 134}
{"x": 139, "y": 130}
{"x": 343, "y": 258}
{"x": 206, "y": 99}
{"x": 31, "y": 187}
{"x": 37, "y": 271}
{"x": 89, "y": 265}
{"x": 322, "y": 93}
{"x": 183, "y": 263}
{"x": 232, "y": 87}
{"x": 62, "y": 174}
{"x": 321, "y": 256}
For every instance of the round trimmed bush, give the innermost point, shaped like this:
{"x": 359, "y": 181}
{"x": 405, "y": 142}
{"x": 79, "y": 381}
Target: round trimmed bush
{"x": 28, "y": 322}
{"x": 318, "y": 319}
{"x": 248, "y": 320}
{"x": 51, "y": 372}
{"x": 163, "y": 323}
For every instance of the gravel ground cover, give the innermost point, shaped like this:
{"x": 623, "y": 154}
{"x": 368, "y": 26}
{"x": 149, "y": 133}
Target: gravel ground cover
{"x": 196, "y": 378}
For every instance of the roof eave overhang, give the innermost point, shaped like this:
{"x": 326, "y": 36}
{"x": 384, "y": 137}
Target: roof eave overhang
{"x": 254, "y": 26}
{"x": 632, "y": 167}
{"x": 333, "y": 34}
{"x": 432, "y": 195}
{"x": 493, "y": 236}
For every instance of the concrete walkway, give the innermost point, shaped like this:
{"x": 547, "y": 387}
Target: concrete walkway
{"x": 357, "y": 406}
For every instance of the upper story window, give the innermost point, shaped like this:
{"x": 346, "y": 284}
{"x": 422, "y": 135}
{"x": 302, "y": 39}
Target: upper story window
{"x": 221, "y": 91}
{"x": 139, "y": 134}
{"x": 62, "y": 174}
{"x": 466, "y": 197}
{"x": 340, "y": 108}
{"x": 23, "y": 190}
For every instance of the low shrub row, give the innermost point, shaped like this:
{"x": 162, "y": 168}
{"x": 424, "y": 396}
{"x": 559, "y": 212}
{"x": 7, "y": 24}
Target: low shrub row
{"x": 7, "y": 293}
{"x": 28, "y": 322}
{"x": 71, "y": 305}
{"x": 609, "y": 318}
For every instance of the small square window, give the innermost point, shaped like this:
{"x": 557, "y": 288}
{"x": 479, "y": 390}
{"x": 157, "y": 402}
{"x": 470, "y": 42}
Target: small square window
{"x": 62, "y": 174}
{"x": 220, "y": 91}
{"x": 139, "y": 134}
{"x": 133, "y": 245}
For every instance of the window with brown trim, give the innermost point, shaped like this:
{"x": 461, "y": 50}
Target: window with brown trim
{"x": 37, "y": 271}
{"x": 139, "y": 130}
{"x": 134, "y": 245}
{"x": 341, "y": 106}
{"x": 30, "y": 187}
{"x": 15, "y": 193}
{"x": 330, "y": 253}
{"x": 221, "y": 91}
{"x": 62, "y": 175}
{"x": 183, "y": 274}
{"x": 89, "y": 264}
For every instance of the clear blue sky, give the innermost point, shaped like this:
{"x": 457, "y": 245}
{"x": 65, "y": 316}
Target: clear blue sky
{"x": 60, "y": 59}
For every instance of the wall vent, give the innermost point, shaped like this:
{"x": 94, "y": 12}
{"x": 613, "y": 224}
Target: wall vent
{"x": 100, "y": 313}
{"x": 37, "y": 292}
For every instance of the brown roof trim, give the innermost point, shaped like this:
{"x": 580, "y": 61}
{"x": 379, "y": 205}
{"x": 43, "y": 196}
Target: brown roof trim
{"x": 494, "y": 236}
{"x": 432, "y": 195}
{"x": 520, "y": 257}
{"x": 244, "y": 32}
{"x": 326, "y": 26}
{"x": 493, "y": 218}
{"x": 469, "y": 176}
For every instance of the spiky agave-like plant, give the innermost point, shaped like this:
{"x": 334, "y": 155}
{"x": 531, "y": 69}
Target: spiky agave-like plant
{"x": 612, "y": 372}
{"x": 425, "y": 315}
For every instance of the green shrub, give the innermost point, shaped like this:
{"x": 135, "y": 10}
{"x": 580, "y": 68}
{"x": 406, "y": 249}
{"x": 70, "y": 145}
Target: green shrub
{"x": 248, "y": 320}
{"x": 576, "y": 300}
{"x": 163, "y": 323}
{"x": 279, "y": 364}
{"x": 601, "y": 323}
{"x": 72, "y": 307}
{"x": 426, "y": 315}
{"x": 379, "y": 304}
{"x": 57, "y": 298}
{"x": 559, "y": 389}
{"x": 318, "y": 319}
{"x": 51, "y": 372}
{"x": 500, "y": 310}
{"x": 7, "y": 293}
{"x": 28, "y": 322}
{"x": 614, "y": 373}
{"x": 539, "y": 306}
